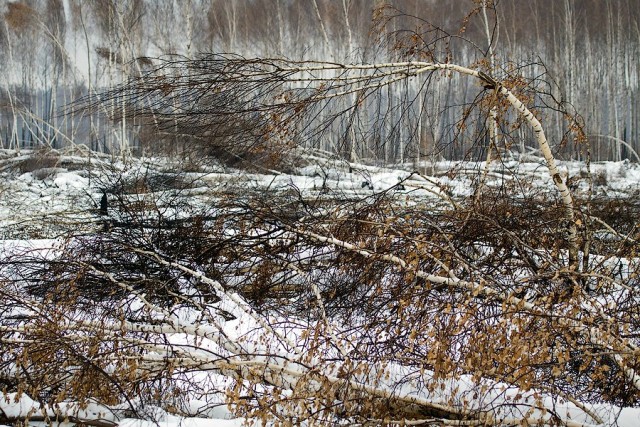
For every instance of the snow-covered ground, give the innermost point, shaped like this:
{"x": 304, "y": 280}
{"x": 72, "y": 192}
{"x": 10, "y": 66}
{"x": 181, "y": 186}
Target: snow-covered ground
{"x": 39, "y": 207}
{"x": 41, "y": 202}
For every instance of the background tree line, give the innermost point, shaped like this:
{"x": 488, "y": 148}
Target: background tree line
{"x": 581, "y": 53}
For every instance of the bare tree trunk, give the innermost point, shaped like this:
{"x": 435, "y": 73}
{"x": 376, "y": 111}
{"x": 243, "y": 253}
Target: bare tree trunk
{"x": 492, "y": 120}
{"x": 14, "y": 139}
{"x": 346, "y": 4}
{"x": 325, "y": 36}
{"x": 188, "y": 11}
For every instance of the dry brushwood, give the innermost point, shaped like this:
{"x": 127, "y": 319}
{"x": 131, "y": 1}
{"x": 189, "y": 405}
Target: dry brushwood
{"x": 388, "y": 298}
{"x": 362, "y": 310}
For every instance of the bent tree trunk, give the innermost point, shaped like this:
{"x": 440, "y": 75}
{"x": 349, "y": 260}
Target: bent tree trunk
{"x": 280, "y": 92}
{"x": 266, "y": 94}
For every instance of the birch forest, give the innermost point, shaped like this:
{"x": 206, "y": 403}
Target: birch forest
{"x": 582, "y": 53}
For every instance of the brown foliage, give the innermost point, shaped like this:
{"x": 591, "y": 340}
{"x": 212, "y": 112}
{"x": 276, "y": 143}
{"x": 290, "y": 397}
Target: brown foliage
{"x": 20, "y": 16}
{"x": 261, "y": 247}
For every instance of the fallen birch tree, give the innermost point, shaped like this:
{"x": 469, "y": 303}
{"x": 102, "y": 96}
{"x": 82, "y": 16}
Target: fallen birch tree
{"x": 369, "y": 311}
{"x": 363, "y": 318}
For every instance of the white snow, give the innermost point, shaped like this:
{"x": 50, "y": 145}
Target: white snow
{"x": 29, "y": 200}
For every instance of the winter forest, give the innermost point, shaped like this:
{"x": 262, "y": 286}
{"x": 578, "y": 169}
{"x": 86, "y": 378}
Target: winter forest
{"x": 319, "y": 213}
{"x": 582, "y": 53}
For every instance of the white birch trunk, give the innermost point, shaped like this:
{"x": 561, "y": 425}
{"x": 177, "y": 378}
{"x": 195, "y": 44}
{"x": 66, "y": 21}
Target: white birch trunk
{"x": 398, "y": 71}
{"x": 325, "y": 36}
